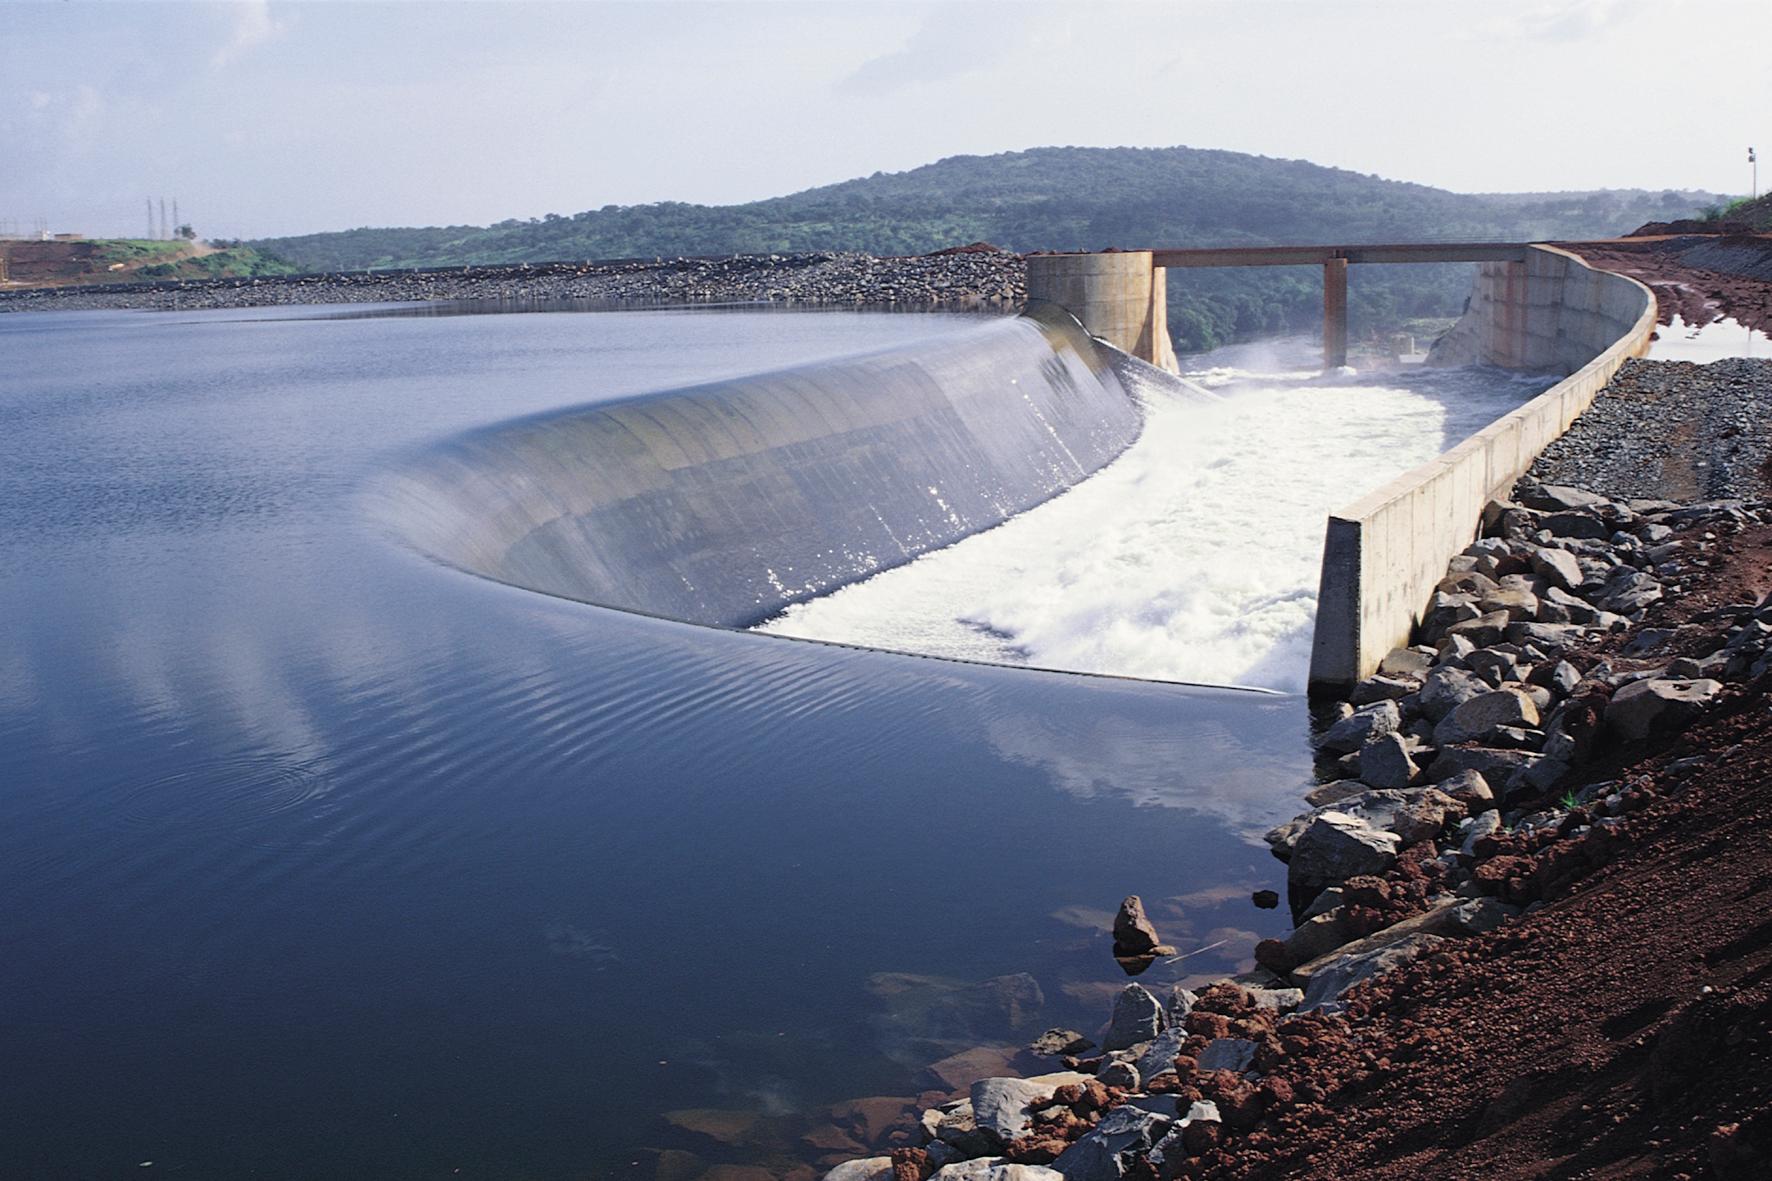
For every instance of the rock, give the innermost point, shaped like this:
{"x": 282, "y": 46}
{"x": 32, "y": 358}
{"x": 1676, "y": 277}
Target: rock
{"x": 1495, "y": 766}
{"x": 1559, "y": 676}
{"x": 1227, "y": 1053}
{"x": 1000, "y": 1105}
{"x": 1406, "y": 664}
{"x": 1056, "y": 1043}
{"x": 717, "y": 1124}
{"x": 1643, "y": 707}
{"x": 1479, "y": 915}
{"x": 1470, "y": 789}
{"x": 1555, "y": 498}
{"x": 1328, "y": 900}
{"x": 968, "y": 1066}
{"x": 1282, "y": 1000}
{"x": 868, "y": 1168}
{"x": 1333, "y": 792}
{"x": 1447, "y": 688}
{"x": 1385, "y": 763}
{"x": 1110, "y": 1149}
{"x": 1382, "y": 688}
{"x": 1265, "y": 899}
{"x": 1575, "y": 524}
{"x": 1549, "y": 637}
{"x": 1336, "y": 847}
{"x": 1578, "y": 610}
{"x": 1119, "y": 1074}
{"x": 1138, "y": 1017}
{"x": 1516, "y": 602}
{"x": 1629, "y": 593}
{"x": 1331, "y": 980}
{"x": 1479, "y": 715}
{"x": 995, "y": 1168}
{"x": 1181, "y": 1003}
{"x": 1351, "y": 733}
{"x": 1133, "y": 932}
{"x": 1484, "y": 630}
{"x": 1159, "y": 1057}
{"x": 1557, "y": 567}
{"x": 1486, "y": 824}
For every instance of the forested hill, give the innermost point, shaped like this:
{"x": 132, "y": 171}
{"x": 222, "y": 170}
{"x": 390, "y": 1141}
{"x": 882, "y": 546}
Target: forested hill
{"x": 1043, "y": 199}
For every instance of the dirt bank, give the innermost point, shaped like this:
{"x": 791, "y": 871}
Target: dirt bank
{"x": 1696, "y": 277}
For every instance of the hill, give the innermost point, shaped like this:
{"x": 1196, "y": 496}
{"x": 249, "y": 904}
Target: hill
{"x": 28, "y": 263}
{"x": 1060, "y": 199}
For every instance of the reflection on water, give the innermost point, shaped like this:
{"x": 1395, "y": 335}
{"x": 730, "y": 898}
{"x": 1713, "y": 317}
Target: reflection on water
{"x": 1703, "y": 343}
{"x": 322, "y": 860}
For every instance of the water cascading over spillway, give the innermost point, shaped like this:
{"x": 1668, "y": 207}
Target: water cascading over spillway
{"x": 722, "y": 504}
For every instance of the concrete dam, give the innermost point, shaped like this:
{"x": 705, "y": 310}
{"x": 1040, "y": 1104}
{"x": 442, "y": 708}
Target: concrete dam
{"x": 725, "y": 504}
{"x": 722, "y": 504}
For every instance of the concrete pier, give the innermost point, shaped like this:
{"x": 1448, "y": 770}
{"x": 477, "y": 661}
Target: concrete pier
{"x": 1120, "y": 296}
{"x": 1334, "y": 313}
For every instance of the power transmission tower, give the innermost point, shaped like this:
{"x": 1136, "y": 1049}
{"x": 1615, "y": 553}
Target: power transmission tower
{"x": 176, "y": 223}
{"x": 164, "y": 235}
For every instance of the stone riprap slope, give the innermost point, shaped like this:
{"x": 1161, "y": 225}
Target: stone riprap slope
{"x": 1671, "y": 428}
{"x": 959, "y": 279}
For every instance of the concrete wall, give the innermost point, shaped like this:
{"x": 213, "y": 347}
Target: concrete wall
{"x": 1384, "y": 554}
{"x": 724, "y": 503}
{"x": 1119, "y": 297}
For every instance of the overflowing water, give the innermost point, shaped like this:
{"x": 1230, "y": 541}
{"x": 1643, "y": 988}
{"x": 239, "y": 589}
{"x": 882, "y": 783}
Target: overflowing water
{"x": 1195, "y": 555}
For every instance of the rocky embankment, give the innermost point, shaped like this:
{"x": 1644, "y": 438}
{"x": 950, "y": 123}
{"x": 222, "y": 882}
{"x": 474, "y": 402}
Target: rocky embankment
{"x": 972, "y": 277}
{"x": 1528, "y": 897}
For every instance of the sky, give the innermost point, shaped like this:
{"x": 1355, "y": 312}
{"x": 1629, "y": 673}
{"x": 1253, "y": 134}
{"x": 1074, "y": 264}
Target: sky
{"x": 266, "y": 118}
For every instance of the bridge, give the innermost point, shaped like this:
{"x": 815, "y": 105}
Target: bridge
{"x": 1122, "y": 295}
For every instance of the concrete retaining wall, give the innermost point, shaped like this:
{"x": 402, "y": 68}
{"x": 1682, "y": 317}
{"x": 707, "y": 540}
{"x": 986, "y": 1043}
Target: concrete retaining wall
{"x": 1119, "y": 297}
{"x": 1384, "y": 554}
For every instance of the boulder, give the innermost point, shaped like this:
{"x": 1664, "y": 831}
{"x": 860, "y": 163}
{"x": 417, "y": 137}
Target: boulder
{"x": 1470, "y": 789}
{"x": 868, "y": 1168}
{"x": 1227, "y": 1053}
{"x": 1000, "y": 1105}
{"x": 1484, "y": 630}
{"x": 1406, "y": 663}
{"x": 1138, "y": 1017}
{"x": 1133, "y": 932}
{"x": 995, "y": 1168}
{"x": 1643, "y": 707}
{"x": 1335, "y": 847}
{"x": 1385, "y": 763}
{"x": 1479, "y": 715}
{"x": 1495, "y": 766}
{"x": 1123, "y": 1075}
{"x": 1181, "y": 1003}
{"x": 1113, "y": 1146}
{"x": 1332, "y": 792}
{"x": 1447, "y": 688}
{"x": 1330, "y": 980}
{"x": 1159, "y": 1057}
{"x": 1556, "y": 498}
{"x": 1487, "y": 824}
{"x": 1557, "y": 567}
{"x": 1382, "y": 688}
{"x": 1355, "y": 731}
{"x": 1055, "y": 1043}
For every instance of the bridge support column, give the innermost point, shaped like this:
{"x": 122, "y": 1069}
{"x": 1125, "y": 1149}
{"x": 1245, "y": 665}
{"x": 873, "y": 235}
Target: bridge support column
{"x": 1334, "y": 313}
{"x": 1119, "y": 297}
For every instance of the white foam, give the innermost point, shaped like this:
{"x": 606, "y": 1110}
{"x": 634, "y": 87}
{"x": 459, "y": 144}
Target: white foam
{"x": 1704, "y": 343}
{"x": 1192, "y": 557}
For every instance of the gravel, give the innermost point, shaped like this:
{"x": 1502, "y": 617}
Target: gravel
{"x": 980, "y": 278}
{"x": 1671, "y": 430}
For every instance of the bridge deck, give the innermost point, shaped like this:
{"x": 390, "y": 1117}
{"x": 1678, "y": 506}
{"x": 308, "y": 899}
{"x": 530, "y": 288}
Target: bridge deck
{"x": 1295, "y": 256}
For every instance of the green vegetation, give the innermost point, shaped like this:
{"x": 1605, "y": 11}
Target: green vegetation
{"x": 1747, "y": 211}
{"x": 1065, "y": 199}
{"x": 146, "y": 259}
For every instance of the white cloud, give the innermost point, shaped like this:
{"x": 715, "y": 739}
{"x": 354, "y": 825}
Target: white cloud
{"x": 253, "y": 26}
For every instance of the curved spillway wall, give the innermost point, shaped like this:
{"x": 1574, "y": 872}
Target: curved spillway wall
{"x": 723, "y": 503}
{"x": 1384, "y": 554}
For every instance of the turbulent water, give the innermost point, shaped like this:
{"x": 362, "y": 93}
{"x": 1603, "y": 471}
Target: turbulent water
{"x": 1195, "y": 555}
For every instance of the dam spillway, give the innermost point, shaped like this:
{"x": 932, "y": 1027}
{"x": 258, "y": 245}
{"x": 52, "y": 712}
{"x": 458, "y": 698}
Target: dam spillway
{"x": 721, "y": 504}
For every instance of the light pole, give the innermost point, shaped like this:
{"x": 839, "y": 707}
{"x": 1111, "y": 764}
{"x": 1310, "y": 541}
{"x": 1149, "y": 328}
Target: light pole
{"x": 1755, "y": 161}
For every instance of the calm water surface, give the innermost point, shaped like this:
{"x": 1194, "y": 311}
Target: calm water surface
{"x": 323, "y": 861}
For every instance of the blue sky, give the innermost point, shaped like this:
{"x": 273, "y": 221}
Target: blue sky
{"x": 268, "y": 117}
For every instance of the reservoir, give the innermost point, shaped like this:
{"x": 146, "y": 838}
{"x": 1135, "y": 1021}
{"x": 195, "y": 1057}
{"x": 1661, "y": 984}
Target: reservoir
{"x": 324, "y": 858}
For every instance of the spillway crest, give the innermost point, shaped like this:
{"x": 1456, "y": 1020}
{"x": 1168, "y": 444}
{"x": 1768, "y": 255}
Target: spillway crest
{"x": 723, "y": 503}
